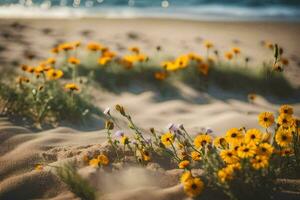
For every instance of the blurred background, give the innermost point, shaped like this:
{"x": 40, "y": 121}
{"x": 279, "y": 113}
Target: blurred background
{"x": 186, "y": 9}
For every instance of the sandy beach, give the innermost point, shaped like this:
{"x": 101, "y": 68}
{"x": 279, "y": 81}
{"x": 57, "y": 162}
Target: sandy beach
{"x": 35, "y": 36}
{"x": 21, "y": 148}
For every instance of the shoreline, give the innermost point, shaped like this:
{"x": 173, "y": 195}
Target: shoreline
{"x": 165, "y": 18}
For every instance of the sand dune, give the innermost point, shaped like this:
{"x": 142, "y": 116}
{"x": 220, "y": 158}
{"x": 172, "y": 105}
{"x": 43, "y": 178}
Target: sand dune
{"x": 21, "y": 149}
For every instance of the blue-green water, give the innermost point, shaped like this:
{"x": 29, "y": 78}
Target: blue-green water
{"x": 196, "y": 9}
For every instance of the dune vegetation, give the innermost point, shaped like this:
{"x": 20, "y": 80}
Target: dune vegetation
{"x": 241, "y": 164}
{"x": 58, "y": 89}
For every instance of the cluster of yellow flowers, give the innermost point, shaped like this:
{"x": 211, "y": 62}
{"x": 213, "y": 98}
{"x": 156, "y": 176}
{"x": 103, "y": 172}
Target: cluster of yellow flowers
{"x": 104, "y": 55}
{"x": 238, "y": 151}
{"x": 240, "y": 147}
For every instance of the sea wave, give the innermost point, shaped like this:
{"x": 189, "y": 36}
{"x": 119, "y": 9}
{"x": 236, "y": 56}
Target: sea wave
{"x": 207, "y": 12}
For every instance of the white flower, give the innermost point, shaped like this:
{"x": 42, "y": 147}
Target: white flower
{"x": 107, "y": 111}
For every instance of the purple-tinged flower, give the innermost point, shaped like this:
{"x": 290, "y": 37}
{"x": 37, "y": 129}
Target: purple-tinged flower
{"x": 119, "y": 133}
{"x": 209, "y": 130}
{"x": 172, "y": 127}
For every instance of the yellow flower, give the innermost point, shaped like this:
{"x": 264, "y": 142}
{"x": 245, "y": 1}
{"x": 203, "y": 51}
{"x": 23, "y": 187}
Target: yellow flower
{"x": 259, "y": 162}
{"x": 208, "y": 44}
{"x": 195, "y": 156}
{"x": 286, "y": 152}
{"x": 266, "y": 119}
{"x": 235, "y": 166}
{"x": 94, "y": 46}
{"x": 234, "y": 135}
{"x": 228, "y": 55}
{"x": 283, "y": 137}
{"x": 104, "y": 60}
{"x": 220, "y": 142}
{"x": 236, "y": 50}
{"x": 269, "y": 45}
{"x": 235, "y": 146}
{"x": 225, "y": 174}
{"x": 182, "y": 62}
{"x": 65, "y": 47}
{"x": 134, "y": 49}
{"x": 124, "y": 140}
{"x": 51, "y": 61}
{"x": 184, "y": 164}
{"x": 54, "y": 74}
{"x": 74, "y": 61}
{"x": 103, "y": 159}
{"x": 202, "y": 140}
{"x": 160, "y": 75}
{"x": 253, "y": 135}
{"x": 39, "y": 167}
{"x": 71, "y": 87}
{"x": 146, "y": 155}
{"x": 186, "y": 176}
{"x": 193, "y": 187}
{"x": 203, "y": 68}
{"x": 286, "y": 109}
{"x": 167, "y": 139}
{"x": 55, "y": 50}
{"x": 285, "y": 120}
{"x": 229, "y": 156}
{"x": 94, "y": 163}
{"x": 247, "y": 151}
{"x": 76, "y": 44}
{"x": 38, "y": 70}
{"x": 141, "y": 57}
{"x": 109, "y": 54}
{"x": 265, "y": 149}
{"x": 284, "y": 61}
{"x": 30, "y": 69}
{"x": 24, "y": 67}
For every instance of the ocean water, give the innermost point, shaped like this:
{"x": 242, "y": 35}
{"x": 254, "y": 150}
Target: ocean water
{"x": 276, "y": 10}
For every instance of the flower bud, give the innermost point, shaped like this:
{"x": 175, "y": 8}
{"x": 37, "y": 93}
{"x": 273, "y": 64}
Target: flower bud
{"x": 109, "y": 125}
{"x": 120, "y": 109}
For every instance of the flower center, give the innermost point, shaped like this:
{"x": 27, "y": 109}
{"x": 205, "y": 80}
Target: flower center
{"x": 265, "y": 119}
{"x": 284, "y": 137}
{"x": 233, "y": 135}
{"x": 194, "y": 186}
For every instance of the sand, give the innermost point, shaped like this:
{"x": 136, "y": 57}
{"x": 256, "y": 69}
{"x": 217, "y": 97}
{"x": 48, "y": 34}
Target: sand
{"x": 21, "y": 148}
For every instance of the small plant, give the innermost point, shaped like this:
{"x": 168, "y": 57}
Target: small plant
{"x": 80, "y": 187}
{"x": 39, "y": 98}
